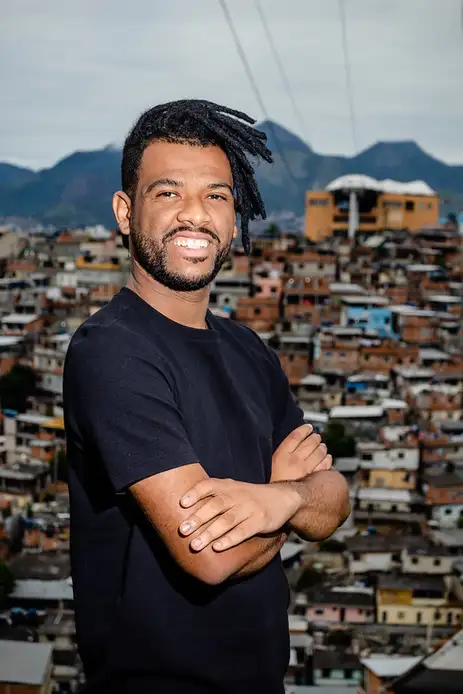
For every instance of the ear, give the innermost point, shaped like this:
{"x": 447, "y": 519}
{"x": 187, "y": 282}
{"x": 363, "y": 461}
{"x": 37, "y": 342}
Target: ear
{"x": 122, "y": 208}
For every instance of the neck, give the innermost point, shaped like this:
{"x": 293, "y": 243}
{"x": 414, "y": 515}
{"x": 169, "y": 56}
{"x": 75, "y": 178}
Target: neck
{"x": 186, "y": 308}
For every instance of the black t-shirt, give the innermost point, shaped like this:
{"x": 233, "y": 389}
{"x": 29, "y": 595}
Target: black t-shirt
{"x": 143, "y": 394}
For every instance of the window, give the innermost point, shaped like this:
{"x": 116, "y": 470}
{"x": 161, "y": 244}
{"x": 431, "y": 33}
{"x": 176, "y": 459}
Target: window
{"x": 409, "y": 205}
{"x": 257, "y": 311}
{"x": 319, "y": 611}
{"x": 319, "y": 202}
{"x": 384, "y": 617}
{"x": 360, "y": 611}
{"x": 415, "y": 560}
{"x": 367, "y": 456}
{"x": 449, "y": 618}
{"x": 436, "y": 562}
{"x": 342, "y": 355}
{"x": 400, "y": 615}
{"x": 366, "y": 357}
{"x": 401, "y": 454}
{"x": 418, "y": 617}
{"x": 437, "y": 615}
{"x": 392, "y": 203}
{"x": 448, "y": 511}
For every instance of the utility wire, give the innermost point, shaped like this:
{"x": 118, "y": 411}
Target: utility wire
{"x": 350, "y": 91}
{"x": 279, "y": 63}
{"x": 255, "y": 87}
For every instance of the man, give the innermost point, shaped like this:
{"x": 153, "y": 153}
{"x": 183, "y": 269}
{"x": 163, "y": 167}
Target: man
{"x": 189, "y": 460}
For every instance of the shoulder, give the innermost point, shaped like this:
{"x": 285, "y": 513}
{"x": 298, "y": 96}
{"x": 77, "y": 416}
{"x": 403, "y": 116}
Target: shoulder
{"x": 249, "y": 339}
{"x": 111, "y": 339}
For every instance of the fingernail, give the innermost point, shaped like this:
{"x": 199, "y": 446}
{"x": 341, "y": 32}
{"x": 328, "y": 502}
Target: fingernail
{"x": 218, "y": 545}
{"x": 185, "y": 500}
{"x": 185, "y": 527}
{"x": 196, "y": 544}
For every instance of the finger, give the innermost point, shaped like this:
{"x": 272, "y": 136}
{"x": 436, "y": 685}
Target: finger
{"x": 315, "y": 458}
{"x": 201, "y": 490}
{"x": 326, "y": 464}
{"x": 294, "y": 439}
{"x": 309, "y": 445}
{"x": 243, "y": 531}
{"x": 219, "y": 527}
{"x": 214, "y": 506}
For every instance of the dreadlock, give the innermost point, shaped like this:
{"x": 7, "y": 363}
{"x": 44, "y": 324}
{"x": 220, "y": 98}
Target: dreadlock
{"x": 203, "y": 123}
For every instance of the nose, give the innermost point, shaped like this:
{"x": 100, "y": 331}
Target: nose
{"x": 194, "y": 212}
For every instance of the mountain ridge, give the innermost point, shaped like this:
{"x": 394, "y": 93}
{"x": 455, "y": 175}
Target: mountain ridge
{"x": 78, "y": 189}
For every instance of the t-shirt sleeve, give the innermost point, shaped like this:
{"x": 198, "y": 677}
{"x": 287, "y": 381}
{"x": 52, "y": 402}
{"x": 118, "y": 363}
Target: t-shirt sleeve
{"x": 126, "y": 408}
{"x": 287, "y": 413}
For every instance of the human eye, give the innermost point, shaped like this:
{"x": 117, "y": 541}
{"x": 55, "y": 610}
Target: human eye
{"x": 217, "y": 196}
{"x": 166, "y": 194}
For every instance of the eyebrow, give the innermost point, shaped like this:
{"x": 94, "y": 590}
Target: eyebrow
{"x": 159, "y": 182}
{"x": 163, "y": 182}
{"x": 220, "y": 184}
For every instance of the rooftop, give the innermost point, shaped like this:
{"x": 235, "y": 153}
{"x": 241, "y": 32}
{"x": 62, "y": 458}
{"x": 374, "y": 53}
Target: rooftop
{"x": 20, "y": 318}
{"x": 365, "y": 300}
{"x": 355, "y": 411}
{"x": 389, "y": 666}
{"x": 24, "y": 663}
{"x": 388, "y": 185}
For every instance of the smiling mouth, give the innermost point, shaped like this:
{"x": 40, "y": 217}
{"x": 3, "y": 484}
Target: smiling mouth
{"x": 194, "y": 244}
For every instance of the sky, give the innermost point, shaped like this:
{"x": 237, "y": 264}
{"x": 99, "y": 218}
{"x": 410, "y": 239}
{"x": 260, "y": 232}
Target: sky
{"x": 76, "y": 75}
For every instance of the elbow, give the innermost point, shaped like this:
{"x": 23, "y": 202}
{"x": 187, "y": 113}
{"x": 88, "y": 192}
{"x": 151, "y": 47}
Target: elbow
{"x": 206, "y": 568}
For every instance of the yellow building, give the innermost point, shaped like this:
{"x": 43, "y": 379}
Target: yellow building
{"x": 370, "y": 206}
{"x": 404, "y": 600}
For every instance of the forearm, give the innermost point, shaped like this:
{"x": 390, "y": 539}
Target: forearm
{"x": 261, "y": 551}
{"x": 324, "y": 504}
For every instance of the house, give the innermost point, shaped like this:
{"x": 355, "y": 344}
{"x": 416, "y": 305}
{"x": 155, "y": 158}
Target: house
{"x": 341, "y": 605}
{"x": 359, "y": 418}
{"x": 374, "y": 552}
{"x": 404, "y": 600}
{"x": 259, "y": 314}
{"x": 380, "y": 670}
{"x": 336, "y": 667}
{"x": 432, "y": 561}
{"x": 25, "y": 668}
{"x": 441, "y": 671}
{"x": 444, "y": 497}
{"x": 366, "y": 388}
{"x": 391, "y": 465}
{"x": 21, "y": 324}
{"x": 386, "y": 355}
{"x": 415, "y": 326}
{"x": 436, "y": 402}
{"x": 367, "y": 312}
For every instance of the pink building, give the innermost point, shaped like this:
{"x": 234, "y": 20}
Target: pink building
{"x": 343, "y": 605}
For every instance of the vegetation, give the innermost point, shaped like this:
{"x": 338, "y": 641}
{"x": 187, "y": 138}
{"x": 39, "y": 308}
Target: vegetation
{"x": 16, "y": 387}
{"x": 332, "y": 546}
{"x": 339, "y": 444}
{"x": 6, "y": 581}
{"x": 310, "y": 578}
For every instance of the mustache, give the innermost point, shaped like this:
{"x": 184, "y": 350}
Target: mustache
{"x": 200, "y": 230}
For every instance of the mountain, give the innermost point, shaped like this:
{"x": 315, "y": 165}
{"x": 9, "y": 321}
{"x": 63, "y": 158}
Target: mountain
{"x": 78, "y": 189}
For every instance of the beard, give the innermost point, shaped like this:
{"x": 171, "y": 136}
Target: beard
{"x": 152, "y": 255}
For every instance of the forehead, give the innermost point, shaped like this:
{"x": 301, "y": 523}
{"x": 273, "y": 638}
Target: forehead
{"x": 183, "y": 162}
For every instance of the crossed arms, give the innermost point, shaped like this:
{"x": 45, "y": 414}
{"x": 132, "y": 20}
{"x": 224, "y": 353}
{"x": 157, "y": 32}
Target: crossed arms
{"x": 217, "y": 529}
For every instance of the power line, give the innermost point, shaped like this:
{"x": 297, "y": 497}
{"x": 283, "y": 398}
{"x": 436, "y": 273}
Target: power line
{"x": 279, "y": 62}
{"x": 254, "y": 86}
{"x": 350, "y": 91}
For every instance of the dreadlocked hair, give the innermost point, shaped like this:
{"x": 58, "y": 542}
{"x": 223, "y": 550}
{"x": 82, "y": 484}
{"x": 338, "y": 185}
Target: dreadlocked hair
{"x": 203, "y": 123}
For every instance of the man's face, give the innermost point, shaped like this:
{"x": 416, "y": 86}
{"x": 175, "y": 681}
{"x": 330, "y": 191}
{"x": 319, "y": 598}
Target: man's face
{"x": 182, "y": 220}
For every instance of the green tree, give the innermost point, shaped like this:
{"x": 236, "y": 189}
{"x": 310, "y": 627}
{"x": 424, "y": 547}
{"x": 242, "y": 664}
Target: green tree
{"x": 310, "y": 578}
{"x": 273, "y": 231}
{"x": 16, "y": 387}
{"x": 6, "y": 581}
{"x": 339, "y": 444}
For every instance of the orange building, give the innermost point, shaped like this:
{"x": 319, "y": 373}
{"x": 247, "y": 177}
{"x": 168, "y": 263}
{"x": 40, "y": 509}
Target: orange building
{"x": 378, "y": 205}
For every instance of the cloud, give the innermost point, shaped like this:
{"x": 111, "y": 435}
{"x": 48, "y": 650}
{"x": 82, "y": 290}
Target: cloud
{"x": 76, "y": 75}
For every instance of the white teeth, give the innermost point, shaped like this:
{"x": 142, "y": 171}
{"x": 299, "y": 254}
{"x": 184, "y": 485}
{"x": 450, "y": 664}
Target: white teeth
{"x": 192, "y": 243}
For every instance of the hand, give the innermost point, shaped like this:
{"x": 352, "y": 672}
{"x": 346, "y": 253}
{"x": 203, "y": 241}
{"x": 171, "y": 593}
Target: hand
{"x": 236, "y": 511}
{"x": 300, "y": 454}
